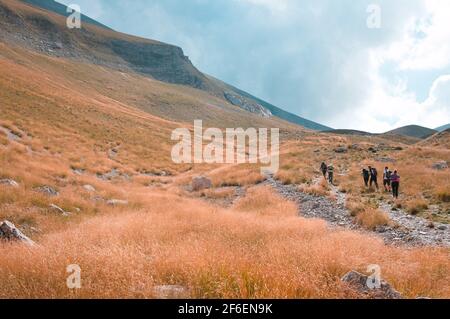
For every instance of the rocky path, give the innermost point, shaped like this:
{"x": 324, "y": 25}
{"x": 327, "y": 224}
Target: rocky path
{"x": 411, "y": 230}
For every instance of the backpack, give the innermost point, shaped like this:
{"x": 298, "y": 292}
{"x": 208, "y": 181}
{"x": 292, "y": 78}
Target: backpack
{"x": 388, "y": 175}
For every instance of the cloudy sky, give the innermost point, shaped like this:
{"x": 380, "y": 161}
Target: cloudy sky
{"x": 364, "y": 64}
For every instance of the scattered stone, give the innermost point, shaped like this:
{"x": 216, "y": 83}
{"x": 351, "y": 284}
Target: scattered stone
{"x": 340, "y": 150}
{"x": 12, "y": 136}
{"x": 355, "y": 147}
{"x": 116, "y": 202}
{"x": 58, "y": 45}
{"x": 89, "y": 188}
{"x": 112, "y": 153}
{"x": 439, "y": 166}
{"x": 170, "y": 292}
{"x": 372, "y": 149}
{"x": 8, "y": 231}
{"x": 9, "y": 182}
{"x": 200, "y": 183}
{"x": 359, "y": 282}
{"x": 78, "y": 171}
{"x": 47, "y": 190}
{"x": 114, "y": 173}
{"x": 442, "y": 227}
{"x": 59, "y": 210}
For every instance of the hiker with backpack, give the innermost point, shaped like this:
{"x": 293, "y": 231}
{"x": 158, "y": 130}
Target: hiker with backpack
{"x": 373, "y": 176}
{"x": 330, "y": 173}
{"x": 366, "y": 176}
{"x": 395, "y": 182}
{"x": 387, "y": 179}
{"x": 324, "y": 169}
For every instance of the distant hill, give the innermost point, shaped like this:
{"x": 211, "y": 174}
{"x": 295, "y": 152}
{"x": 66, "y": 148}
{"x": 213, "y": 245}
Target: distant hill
{"x": 443, "y": 128}
{"x": 348, "y": 132}
{"x": 413, "y": 131}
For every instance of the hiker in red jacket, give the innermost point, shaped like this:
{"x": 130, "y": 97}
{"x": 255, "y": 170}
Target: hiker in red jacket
{"x": 395, "y": 183}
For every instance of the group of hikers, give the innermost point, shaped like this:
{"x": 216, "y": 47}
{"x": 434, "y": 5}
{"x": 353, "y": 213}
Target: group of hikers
{"x": 391, "y": 180}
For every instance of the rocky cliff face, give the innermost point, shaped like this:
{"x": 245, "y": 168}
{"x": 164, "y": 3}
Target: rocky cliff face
{"x": 49, "y": 35}
{"x": 246, "y": 104}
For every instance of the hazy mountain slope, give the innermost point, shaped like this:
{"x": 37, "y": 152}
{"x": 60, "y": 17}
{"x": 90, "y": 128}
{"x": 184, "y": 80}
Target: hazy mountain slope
{"x": 443, "y": 128}
{"x": 273, "y": 109}
{"x": 413, "y": 131}
{"x": 105, "y": 47}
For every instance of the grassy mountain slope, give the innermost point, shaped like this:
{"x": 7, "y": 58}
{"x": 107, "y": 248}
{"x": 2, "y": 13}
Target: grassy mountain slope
{"x": 161, "y": 61}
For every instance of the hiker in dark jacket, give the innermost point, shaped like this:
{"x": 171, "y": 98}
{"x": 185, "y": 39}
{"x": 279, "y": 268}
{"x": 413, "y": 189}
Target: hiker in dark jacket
{"x": 323, "y": 169}
{"x": 387, "y": 179}
{"x": 373, "y": 176}
{"x": 366, "y": 176}
{"x": 395, "y": 182}
{"x": 330, "y": 173}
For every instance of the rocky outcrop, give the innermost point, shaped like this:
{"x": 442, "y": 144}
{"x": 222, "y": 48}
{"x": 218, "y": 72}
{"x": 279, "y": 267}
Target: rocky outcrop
{"x": 9, "y": 232}
{"x": 247, "y": 105}
{"x": 360, "y": 283}
{"x": 200, "y": 183}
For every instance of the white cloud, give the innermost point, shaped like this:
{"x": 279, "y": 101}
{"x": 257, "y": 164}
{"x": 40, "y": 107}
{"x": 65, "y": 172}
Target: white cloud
{"x": 426, "y": 41}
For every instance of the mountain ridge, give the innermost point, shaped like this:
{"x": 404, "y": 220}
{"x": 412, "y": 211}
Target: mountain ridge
{"x": 161, "y": 61}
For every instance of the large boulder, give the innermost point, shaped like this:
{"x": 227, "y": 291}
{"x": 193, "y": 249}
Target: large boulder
{"x": 9, "y": 232}
{"x": 439, "y": 166}
{"x": 359, "y": 282}
{"x": 200, "y": 183}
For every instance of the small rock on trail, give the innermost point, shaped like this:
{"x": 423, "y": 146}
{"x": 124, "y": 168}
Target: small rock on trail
{"x": 200, "y": 183}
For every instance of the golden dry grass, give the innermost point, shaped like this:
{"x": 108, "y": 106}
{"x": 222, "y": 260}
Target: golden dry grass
{"x": 372, "y": 218}
{"x": 260, "y": 249}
